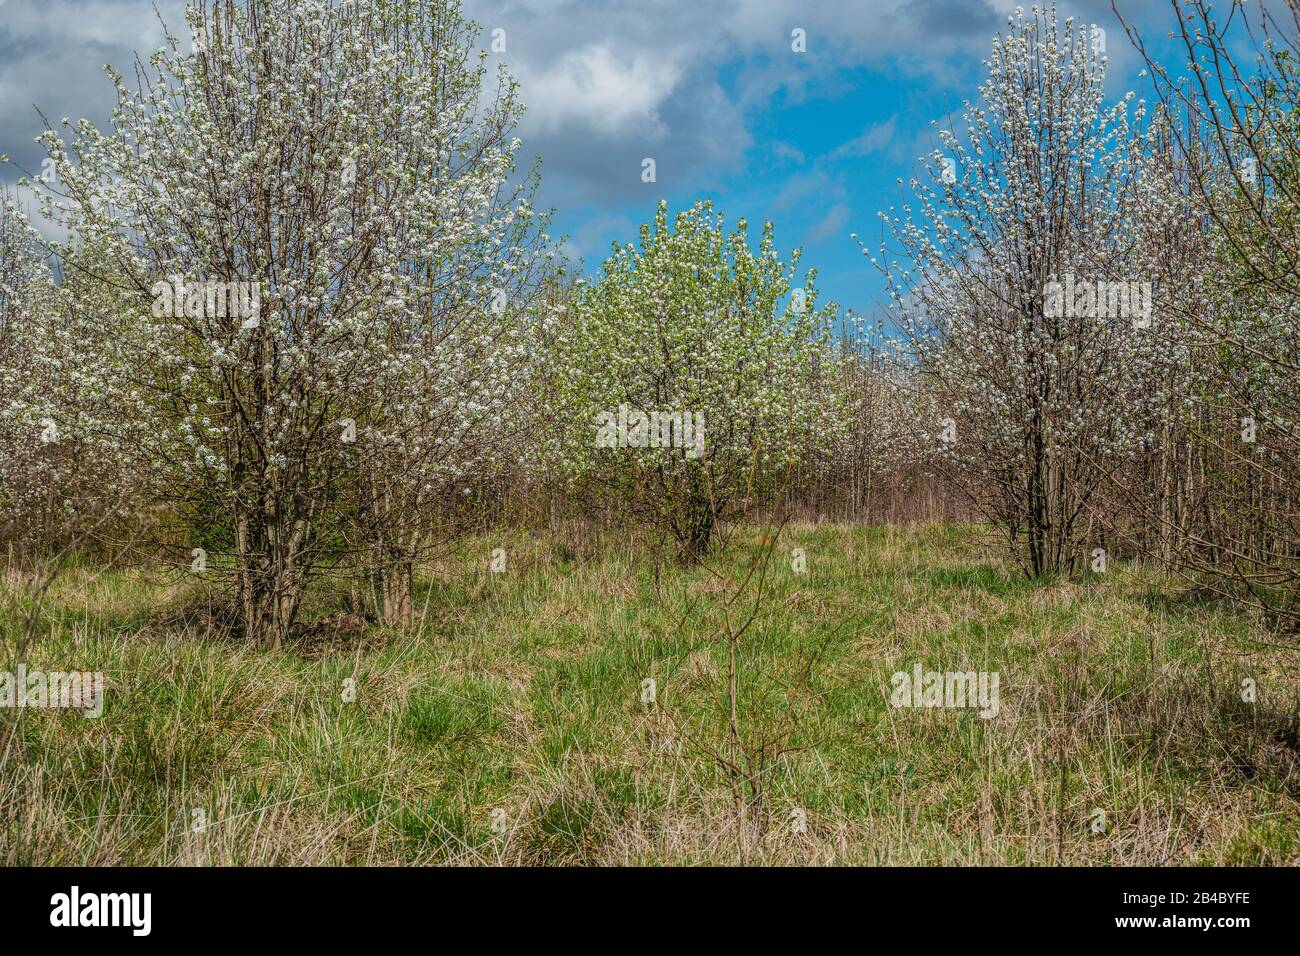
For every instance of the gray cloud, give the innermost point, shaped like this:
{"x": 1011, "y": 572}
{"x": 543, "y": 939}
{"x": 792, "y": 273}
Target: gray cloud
{"x": 52, "y": 56}
{"x": 607, "y": 82}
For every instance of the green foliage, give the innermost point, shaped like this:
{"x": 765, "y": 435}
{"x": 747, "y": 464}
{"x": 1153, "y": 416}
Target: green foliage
{"x": 695, "y": 321}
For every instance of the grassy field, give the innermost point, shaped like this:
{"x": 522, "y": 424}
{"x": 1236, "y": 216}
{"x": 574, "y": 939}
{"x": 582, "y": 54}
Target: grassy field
{"x": 509, "y": 726}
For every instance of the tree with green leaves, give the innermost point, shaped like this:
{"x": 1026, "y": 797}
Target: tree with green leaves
{"x": 692, "y": 375}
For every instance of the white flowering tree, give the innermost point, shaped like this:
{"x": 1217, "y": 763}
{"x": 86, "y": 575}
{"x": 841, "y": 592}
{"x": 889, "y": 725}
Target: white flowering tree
{"x": 303, "y": 210}
{"x": 36, "y": 456}
{"x": 65, "y": 487}
{"x": 61, "y": 473}
{"x": 691, "y": 376}
{"x": 865, "y": 473}
{"x": 1036, "y": 367}
{"x": 1236, "y": 151}
{"x": 446, "y": 412}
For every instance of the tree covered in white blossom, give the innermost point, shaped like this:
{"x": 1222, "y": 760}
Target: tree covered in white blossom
{"x": 346, "y": 167}
{"x": 1226, "y": 502}
{"x": 1040, "y": 187}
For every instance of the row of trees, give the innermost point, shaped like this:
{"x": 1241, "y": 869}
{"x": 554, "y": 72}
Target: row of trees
{"x": 308, "y": 315}
{"x": 1102, "y": 301}
{"x": 307, "y": 307}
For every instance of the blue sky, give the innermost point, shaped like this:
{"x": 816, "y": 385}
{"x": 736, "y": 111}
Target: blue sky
{"x": 814, "y": 141}
{"x": 710, "y": 89}
{"x": 819, "y": 162}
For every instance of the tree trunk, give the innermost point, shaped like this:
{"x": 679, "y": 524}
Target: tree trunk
{"x": 395, "y": 590}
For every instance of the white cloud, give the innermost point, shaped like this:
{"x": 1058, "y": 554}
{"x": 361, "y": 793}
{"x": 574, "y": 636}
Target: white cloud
{"x": 832, "y": 224}
{"x": 595, "y": 88}
{"x": 871, "y": 140}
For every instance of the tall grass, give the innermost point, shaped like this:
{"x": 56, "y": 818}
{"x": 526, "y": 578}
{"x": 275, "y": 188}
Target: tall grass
{"x": 508, "y": 726}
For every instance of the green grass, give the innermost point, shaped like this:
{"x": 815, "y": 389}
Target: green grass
{"x": 507, "y": 727}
